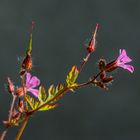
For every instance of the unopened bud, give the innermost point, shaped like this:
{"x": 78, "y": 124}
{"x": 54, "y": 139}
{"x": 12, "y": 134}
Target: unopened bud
{"x": 27, "y": 63}
{"x": 107, "y": 79}
{"x": 102, "y": 64}
{"x": 103, "y": 75}
{"x": 20, "y": 91}
{"x": 21, "y": 106}
{"x": 11, "y": 86}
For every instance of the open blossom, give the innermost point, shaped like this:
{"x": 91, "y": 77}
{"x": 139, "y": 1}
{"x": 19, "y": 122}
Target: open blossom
{"x": 121, "y": 61}
{"x": 30, "y": 85}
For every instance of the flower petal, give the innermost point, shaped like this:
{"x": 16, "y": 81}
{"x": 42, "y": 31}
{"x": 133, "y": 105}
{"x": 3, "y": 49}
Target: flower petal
{"x": 33, "y": 91}
{"x": 28, "y": 77}
{"x": 34, "y": 82}
{"x": 128, "y": 67}
{"x": 123, "y": 58}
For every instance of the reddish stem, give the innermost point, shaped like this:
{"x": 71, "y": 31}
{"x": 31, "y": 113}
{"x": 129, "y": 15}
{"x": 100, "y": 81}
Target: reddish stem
{"x": 9, "y": 118}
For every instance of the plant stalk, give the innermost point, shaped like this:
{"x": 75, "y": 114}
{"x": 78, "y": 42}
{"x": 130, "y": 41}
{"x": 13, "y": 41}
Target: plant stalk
{"x": 20, "y": 132}
{"x": 9, "y": 118}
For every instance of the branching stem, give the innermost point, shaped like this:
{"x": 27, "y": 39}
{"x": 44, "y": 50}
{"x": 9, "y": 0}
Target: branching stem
{"x": 66, "y": 89}
{"x": 9, "y": 118}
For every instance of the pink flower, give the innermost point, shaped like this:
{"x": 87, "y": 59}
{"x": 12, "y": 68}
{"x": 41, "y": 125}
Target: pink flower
{"x": 121, "y": 61}
{"x": 31, "y": 84}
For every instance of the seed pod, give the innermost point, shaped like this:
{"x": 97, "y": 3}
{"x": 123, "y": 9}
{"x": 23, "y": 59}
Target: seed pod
{"x": 92, "y": 42}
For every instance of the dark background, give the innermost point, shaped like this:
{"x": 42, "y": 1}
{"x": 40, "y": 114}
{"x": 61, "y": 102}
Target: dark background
{"x": 62, "y": 30}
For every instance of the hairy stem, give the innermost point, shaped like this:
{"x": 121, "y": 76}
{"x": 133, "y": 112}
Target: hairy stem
{"x": 4, "y": 133}
{"x": 9, "y": 118}
{"x": 23, "y": 86}
{"x": 84, "y": 62}
{"x": 12, "y": 107}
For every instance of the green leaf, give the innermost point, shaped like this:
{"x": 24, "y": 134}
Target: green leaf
{"x": 54, "y": 94}
{"x": 35, "y": 104}
{"x": 32, "y": 102}
{"x": 72, "y": 76}
{"x": 51, "y": 90}
{"x": 42, "y": 96}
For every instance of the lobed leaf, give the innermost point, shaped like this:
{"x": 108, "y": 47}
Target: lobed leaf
{"x": 42, "y": 96}
{"x": 35, "y": 104}
{"x": 32, "y": 102}
{"x": 53, "y": 94}
{"x": 72, "y": 76}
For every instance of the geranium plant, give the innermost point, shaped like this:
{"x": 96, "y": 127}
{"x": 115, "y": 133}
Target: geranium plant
{"x": 32, "y": 97}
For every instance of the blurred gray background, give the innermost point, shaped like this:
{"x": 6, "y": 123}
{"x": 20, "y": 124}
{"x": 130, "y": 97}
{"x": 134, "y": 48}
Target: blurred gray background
{"x": 62, "y": 30}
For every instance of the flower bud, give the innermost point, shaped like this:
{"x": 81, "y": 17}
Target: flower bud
{"x": 103, "y": 75}
{"x": 20, "y": 91}
{"x": 21, "y": 106}
{"x": 107, "y": 79}
{"x": 11, "y": 86}
{"x": 27, "y": 63}
{"x": 102, "y": 64}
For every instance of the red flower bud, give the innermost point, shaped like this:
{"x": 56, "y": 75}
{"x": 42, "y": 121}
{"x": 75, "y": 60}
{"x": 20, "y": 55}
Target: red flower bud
{"x": 11, "y": 86}
{"x": 21, "y": 106}
{"x": 20, "y": 91}
{"x": 27, "y": 63}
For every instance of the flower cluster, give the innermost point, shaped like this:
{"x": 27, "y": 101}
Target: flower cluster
{"x": 25, "y": 105}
